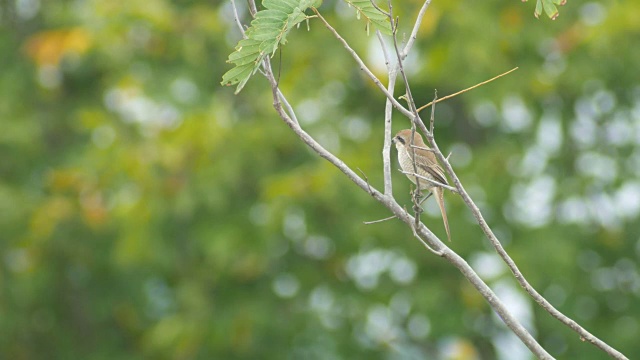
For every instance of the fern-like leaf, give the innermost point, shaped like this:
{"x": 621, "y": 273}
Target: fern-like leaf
{"x": 268, "y": 31}
{"x": 371, "y": 15}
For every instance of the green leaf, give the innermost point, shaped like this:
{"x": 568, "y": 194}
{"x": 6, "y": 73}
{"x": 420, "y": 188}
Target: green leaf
{"x": 371, "y": 15}
{"x": 538, "y": 10}
{"x": 549, "y": 7}
{"x": 268, "y": 30}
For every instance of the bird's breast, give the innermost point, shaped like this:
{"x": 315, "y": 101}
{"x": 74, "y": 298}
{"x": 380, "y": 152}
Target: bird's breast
{"x": 406, "y": 163}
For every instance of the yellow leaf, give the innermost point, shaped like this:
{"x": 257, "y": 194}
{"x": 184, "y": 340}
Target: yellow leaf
{"x": 49, "y": 47}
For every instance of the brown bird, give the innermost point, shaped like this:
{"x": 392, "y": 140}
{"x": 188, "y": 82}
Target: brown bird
{"x": 426, "y": 166}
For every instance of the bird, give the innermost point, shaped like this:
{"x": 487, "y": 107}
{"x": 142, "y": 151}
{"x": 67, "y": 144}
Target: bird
{"x": 426, "y": 166}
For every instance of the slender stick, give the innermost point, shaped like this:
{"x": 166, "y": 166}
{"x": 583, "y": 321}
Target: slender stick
{"x": 444, "y": 186}
{"x": 363, "y": 67}
{"x": 414, "y": 31}
{"x": 237, "y": 18}
{"x": 379, "y": 221}
{"x": 467, "y": 89}
{"x": 388, "y": 115}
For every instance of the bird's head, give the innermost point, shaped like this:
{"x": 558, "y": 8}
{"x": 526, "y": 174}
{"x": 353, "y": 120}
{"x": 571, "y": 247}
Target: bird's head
{"x": 403, "y": 138}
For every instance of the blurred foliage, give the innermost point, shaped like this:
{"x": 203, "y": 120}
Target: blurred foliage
{"x": 147, "y": 212}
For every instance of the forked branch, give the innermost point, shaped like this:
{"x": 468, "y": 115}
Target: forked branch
{"x": 421, "y": 232}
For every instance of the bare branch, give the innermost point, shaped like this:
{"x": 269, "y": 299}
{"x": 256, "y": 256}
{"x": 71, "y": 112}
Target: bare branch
{"x": 412, "y": 105}
{"x": 288, "y": 106}
{"x": 521, "y": 333}
{"x": 379, "y": 221}
{"x": 507, "y": 259}
{"x": 253, "y": 10}
{"x": 433, "y": 111}
{"x": 414, "y": 32}
{"x": 438, "y": 252}
{"x": 364, "y": 67}
{"x": 423, "y": 234}
{"x": 378, "y": 8}
{"x": 388, "y": 114}
{"x": 444, "y": 186}
{"x": 237, "y": 18}
{"x": 584, "y": 334}
{"x": 538, "y": 350}
{"x": 417, "y": 209}
{"x": 421, "y": 148}
{"x": 366, "y": 179}
{"x": 515, "y": 326}
{"x": 467, "y": 89}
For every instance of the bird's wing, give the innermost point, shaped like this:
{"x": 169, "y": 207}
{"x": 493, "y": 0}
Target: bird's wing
{"x": 426, "y": 160}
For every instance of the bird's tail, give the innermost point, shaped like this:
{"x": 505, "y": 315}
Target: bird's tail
{"x": 439, "y": 195}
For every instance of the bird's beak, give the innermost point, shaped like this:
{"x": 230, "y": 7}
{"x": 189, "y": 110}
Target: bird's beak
{"x": 393, "y": 140}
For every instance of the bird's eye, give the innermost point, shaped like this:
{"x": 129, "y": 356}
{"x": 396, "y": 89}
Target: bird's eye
{"x": 401, "y": 140}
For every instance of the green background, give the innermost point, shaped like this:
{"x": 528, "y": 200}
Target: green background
{"x": 147, "y": 212}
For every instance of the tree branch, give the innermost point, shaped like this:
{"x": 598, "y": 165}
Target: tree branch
{"x": 467, "y": 89}
{"x": 414, "y": 31}
{"x": 444, "y": 186}
{"x": 422, "y": 233}
{"x": 363, "y": 67}
{"x": 584, "y": 334}
{"x": 388, "y": 115}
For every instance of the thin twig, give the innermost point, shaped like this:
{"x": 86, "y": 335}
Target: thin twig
{"x": 414, "y": 31}
{"x": 362, "y": 65}
{"x": 432, "y": 120}
{"x": 288, "y": 106}
{"x": 444, "y": 186}
{"x": 425, "y": 198}
{"x": 467, "y": 89}
{"x": 421, "y": 148}
{"x": 417, "y": 236}
{"x": 378, "y": 8}
{"x": 414, "y": 196}
{"x": 253, "y": 10}
{"x": 388, "y": 115}
{"x": 417, "y": 209}
{"x": 366, "y": 179}
{"x": 379, "y": 221}
{"x": 412, "y": 105}
{"x": 237, "y": 18}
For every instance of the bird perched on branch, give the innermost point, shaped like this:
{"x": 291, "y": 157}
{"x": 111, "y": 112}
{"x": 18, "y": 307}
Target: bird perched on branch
{"x": 426, "y": 166}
